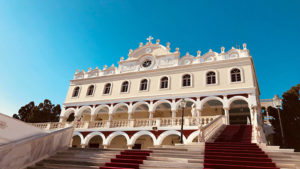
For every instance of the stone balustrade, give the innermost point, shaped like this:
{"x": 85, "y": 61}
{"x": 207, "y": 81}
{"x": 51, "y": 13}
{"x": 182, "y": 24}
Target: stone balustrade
{"x": 157, "y": 122}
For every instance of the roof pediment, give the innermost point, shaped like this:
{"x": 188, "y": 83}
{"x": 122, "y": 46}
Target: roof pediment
{"x": 148, "y": 49}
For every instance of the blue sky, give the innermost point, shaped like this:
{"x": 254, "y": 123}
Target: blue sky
{"x": 42, "y": 43}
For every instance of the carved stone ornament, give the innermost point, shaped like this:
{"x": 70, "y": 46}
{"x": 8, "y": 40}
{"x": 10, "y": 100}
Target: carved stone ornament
{"x": 3, "y": 125}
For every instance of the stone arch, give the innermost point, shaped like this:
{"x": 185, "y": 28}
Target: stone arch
{"x": 101, "y": 115}
{"x": 137, "y": 114}
{"x": 74, "y": 143}
{"x": 91, "y": 135}
{"x": 192, "y": 136}
{"x": 234, "y": 98}
{"x": 114, "y": 134}
{"x": 141, "y": 133}
{"x": 165, "y": 134}
{"x": 165, "y": 112}
{"x": 137, "y": 104}
{"x": 82, "y": 109}
{"x": 211, "y": 98}
{"x": 115, "y": 108}
{"x": 81, "y": 113}
{"x": 160, "y": 102}
{"x": 239, "y": 111}
{"x": 68, "y": 112}
{"x": 212, "y": 106}
{"x": 187, "y": 110}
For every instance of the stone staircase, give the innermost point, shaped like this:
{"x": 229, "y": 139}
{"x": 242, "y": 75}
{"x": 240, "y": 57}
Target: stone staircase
{"x": 195, "y": 155}
{"x": 166, "y": 157}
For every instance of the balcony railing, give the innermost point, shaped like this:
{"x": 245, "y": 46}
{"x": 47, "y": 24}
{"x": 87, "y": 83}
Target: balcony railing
{"x": 155, "y": 122}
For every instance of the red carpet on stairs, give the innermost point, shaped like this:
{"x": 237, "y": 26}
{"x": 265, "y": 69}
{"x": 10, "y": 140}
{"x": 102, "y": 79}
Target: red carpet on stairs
{"x": 233, "y": 150}
{"x": 128, "y": 159}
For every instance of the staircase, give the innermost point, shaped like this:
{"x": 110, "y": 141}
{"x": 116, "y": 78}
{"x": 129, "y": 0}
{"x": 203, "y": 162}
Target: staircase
{"x": 233, "y": 150}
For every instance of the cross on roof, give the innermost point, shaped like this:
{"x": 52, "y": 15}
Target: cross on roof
{"x": 149, "y": 39}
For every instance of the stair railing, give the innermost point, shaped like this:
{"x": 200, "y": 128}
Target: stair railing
{"x": 211, "y": 129}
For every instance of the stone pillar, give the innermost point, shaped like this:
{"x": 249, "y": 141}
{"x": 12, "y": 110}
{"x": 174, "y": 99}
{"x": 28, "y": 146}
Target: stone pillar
{"x": 199, "y": 113}
{"x": 151, "y": 115}
{"x": 226, "y": 110}
{"x": 268, "y": 121}
{"x": 83, "y": 146}
{"x": 105, "y": 146}
{"x": 93, "y": 117}
{"x": 129, "y": 115}
{"x": 129, "y": 146}
{"x": 173, "y": 116}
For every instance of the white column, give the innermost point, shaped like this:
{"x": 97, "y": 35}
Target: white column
{"x": 93, "y": 117}
{"x": 129, "y": 115}
{"x": 199, "y": 113}
{"x": 173, "y": 113}
{"x": 226, "y": 110}
{"x": 151, "y": 115}
{"x": 62, "y": 119}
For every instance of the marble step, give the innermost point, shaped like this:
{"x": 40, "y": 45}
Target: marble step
{"x": 62, "y": 166}
{"x": 171, "y": 159}
{"x": 171, "y": 164}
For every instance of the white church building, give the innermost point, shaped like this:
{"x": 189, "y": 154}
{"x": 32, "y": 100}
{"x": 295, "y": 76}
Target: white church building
{"x": 139, "y": 103}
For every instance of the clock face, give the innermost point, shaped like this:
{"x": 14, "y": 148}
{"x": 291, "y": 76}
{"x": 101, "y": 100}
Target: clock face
{"x": 147, "y": 63}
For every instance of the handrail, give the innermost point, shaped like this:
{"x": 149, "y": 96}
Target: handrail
{"x": 210, "y": 129}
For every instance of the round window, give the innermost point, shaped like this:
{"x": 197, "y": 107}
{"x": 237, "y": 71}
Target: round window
{"x": 147, "y": 63}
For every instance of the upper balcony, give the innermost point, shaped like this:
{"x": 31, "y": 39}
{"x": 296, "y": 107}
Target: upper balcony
{"x": 133, "y": 124}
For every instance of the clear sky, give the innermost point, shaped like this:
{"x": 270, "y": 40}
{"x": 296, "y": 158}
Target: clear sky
{"x": 42, "y": 43}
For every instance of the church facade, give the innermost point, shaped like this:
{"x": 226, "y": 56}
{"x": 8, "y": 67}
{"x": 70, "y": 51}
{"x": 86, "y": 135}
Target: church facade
{"x": 140, "y": 102}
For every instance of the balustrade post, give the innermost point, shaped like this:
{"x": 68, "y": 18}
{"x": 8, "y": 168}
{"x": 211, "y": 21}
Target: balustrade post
{"x": 158, "y": 122}
{"x": 48, "y": 126}
{"x": 187, "y": 121}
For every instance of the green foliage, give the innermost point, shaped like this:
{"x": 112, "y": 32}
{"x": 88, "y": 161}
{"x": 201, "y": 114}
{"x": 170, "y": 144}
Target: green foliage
{"x": 290, "y": 118}
{"x": 44, "y": 112}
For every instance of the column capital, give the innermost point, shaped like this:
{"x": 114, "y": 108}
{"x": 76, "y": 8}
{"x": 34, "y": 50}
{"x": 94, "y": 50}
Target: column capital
{"x": 226, "y": 108}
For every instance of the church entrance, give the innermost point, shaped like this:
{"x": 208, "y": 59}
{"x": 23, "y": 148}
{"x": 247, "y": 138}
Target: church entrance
{"x": 239, "y": 112}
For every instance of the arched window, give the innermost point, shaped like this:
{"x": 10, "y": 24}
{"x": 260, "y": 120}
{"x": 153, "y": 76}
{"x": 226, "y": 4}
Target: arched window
{"x": 211, "y": 78}
{"x": 235, "y": 75}
{"x": 75, "y": 92}
{"x": 186, "y": 80}
{"x": 164, "y": 82}
{"x": 107, "y": 88}
{"x": 144, "y": 84}
{"x": 90, "y": 90}
{"x": 124, "y": 87}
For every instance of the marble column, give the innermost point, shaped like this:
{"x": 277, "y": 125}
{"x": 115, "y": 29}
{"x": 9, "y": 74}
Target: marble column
{"x": 226, "y": 110}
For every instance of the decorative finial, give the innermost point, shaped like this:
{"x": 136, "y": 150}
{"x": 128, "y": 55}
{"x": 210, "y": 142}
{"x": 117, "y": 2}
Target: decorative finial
{"x": 149, "y": 39}
{"x": 244, "y": 46}
{"x": 177, "y": 49}
{"x": 232, "y": 47}
{"x": 157, "y": 41}
{"x": 222, "y": 49}
{"x": 198, "y": 53}
{"x": 105, "y": 67}
{"x": 141, "y": 44}
{"x": 210, "y": 50}
{"x": 97, "y": 68}
{"x": 90, "y": 69}
{"x": 77, "y": 71}
{"x": 130, "y": 51}
{"x": 122, "y": 58}
{"x": 113, "y": 65}
{"x": 187, "y": 54}
{"x": 168, "y": 45}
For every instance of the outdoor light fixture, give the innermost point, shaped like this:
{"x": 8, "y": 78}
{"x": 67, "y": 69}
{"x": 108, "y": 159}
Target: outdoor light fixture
{"x": 277, "y": 103}
{"x": 182, "y": 105}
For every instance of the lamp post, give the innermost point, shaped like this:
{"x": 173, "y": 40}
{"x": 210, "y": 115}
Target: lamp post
{"x": 182, "y": 105}
{"x": 277, "y": 104}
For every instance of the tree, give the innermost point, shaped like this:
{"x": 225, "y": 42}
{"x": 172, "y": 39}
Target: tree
{"x": 290, "y": 118}
{"x": 44, "y": 112}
